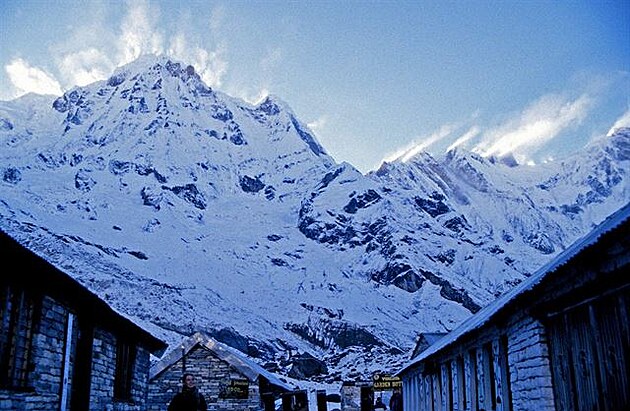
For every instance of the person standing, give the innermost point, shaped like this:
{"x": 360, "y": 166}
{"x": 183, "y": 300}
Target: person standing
{"x": 190, "y": 399}
{"x": 379, "y": 404}
{"x": 396, "y": 402}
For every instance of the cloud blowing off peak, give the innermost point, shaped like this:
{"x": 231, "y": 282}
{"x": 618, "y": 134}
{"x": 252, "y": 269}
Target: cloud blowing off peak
{"x": 415, "y": 99}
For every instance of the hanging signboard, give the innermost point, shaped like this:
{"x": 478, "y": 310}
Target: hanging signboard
{"x": 384, "y": 382}
{"x": 235, "y": 388}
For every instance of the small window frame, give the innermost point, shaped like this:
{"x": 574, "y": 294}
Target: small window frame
{"x": 126, "y": 353}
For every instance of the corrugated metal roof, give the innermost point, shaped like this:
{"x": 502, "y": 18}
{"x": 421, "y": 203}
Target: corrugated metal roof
{"x": 484, "y": 315}
{"x": 235, "y": 358}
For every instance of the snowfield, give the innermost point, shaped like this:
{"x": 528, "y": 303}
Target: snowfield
{"x": 189, "y": 210}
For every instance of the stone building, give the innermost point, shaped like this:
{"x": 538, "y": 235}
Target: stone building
{"x": 228, "y": 379}
{"x": 559, "y": 341}
{"x": 357, "y": 396}
{"x": 62, "y": 347}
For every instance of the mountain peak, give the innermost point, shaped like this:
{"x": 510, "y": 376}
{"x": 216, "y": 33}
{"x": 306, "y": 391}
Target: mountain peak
{"x": 160, "y": 65}
{"x": 272, "y": 105}
{"x": 507, "y": 159}
{"x": 191, "y": 210}
{"x": 147, "y": 62}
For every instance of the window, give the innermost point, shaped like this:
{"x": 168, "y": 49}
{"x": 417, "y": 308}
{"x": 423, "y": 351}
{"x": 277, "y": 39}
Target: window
{"x": 125, "y": 359}
{"x": 17, "y": 313}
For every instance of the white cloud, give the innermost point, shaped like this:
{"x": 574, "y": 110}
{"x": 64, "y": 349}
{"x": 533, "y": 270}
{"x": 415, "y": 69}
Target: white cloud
{"x": 535, "y": 126}
{"x": 263, "y": 93}
{"x": 623, "y": 121}
{"x": 209, "y": 64}
{"x": 421, "y": 144}
{"x": 89, "y": 58}
{"x": 474, "y": 131}
{"x": 250, "y": 95}
{"x": 318, "y": 124}
{"x": 395, "y": 155}
{"x": 28, "y": 79}
{"x": 254, "y": 91}
{"x": 178, "y": 46}
{"x": 522, "y": 135}
{"x": 85, "y": 67}
{"x": 139, "y": 32}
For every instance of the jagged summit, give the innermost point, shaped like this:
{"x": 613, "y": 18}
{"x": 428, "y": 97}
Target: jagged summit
{"x": 146, "y": 61}
{"x": 617, "y": 142}
{"x": 272, "y": 105}
{"x": 189, "y": 210}
{"x": 158, "y": 96}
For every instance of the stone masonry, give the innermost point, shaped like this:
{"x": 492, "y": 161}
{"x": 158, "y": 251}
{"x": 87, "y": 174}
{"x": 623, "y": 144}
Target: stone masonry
{"x": 211, "y": 374}
{"x": 47, "y": 362}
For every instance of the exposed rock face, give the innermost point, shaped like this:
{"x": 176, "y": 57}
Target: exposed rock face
{"x": 12, "y": 175}
{"x": 306, "y": 366}
{"x": 251, "y": 185}
{"x": 327, "y": 333}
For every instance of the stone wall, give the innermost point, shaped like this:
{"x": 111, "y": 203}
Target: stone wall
{"x": 45, "y": 379}
{"x": 211, "y": 373}
{"x": 104, "y": 373}
{"x": 47, "y": 360}
{"x": 515, "y": 355}
{"x": 530, "y": 372}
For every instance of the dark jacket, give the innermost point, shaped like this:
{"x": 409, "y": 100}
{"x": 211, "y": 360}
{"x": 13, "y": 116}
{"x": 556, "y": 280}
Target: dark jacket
{"x": 190, "y": 399}
{"x": 380, "y": 405}
{"x": 395, "y": 403}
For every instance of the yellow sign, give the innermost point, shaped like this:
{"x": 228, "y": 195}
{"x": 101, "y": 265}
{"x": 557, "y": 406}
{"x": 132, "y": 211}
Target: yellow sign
{"x": 384, "y": 382}
{"x": 235, "y": 388}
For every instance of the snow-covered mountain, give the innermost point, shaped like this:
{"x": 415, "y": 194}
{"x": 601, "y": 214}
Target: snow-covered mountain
{"x": 187, "y": 210}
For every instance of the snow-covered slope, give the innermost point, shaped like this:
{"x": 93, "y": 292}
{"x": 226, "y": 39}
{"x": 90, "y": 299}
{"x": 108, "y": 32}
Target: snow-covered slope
{"x": 187, "y": 210}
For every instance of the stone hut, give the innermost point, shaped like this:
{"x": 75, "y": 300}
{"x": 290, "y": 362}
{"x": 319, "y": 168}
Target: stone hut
{"x": 357, "y": 396}
{"x": 62, "y": 347}
{"x": 558, "y": 341}
{"x": 228, "y": 379}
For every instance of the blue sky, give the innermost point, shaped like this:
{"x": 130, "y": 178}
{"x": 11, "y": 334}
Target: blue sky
{"x": 374, "y": 79}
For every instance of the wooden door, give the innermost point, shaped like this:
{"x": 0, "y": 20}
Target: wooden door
{"x": 612, "y": 352}
{"x": 82, "y": 372}
{"x": 589, "y": 349}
